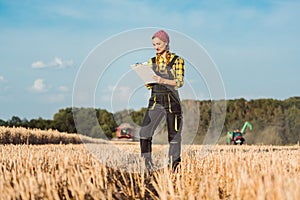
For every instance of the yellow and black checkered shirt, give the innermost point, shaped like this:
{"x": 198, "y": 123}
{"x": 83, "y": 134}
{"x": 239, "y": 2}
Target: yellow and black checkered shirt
{"x": 177, "y": 69}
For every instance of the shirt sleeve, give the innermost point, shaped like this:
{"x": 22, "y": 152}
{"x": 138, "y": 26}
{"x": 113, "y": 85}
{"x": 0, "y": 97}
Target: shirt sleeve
{"x": 178, "y": 67}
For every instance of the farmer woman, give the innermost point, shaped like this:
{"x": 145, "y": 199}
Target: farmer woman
{"x": 164, "y": 100}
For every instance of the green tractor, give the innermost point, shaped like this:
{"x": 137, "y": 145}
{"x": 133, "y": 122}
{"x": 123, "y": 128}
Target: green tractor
{"x": 236, "y": 137}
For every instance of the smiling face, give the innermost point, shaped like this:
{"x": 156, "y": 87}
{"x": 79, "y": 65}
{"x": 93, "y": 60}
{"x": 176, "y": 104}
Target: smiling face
{"x": 159, "y": 45}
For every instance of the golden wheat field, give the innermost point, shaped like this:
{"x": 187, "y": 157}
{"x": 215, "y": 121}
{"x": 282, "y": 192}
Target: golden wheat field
{"x": 73, "y": 171}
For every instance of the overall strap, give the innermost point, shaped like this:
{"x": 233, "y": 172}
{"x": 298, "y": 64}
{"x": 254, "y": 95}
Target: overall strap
{"x": 170, "y": 66}
{"x": 153, "y": 59}
{"x": 172, "y": 61}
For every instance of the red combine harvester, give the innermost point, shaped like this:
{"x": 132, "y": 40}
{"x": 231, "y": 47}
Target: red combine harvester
{"x": 125, "y": 131}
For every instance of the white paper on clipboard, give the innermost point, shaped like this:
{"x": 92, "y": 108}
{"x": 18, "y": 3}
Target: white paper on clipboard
{"x": 145, "y": 72}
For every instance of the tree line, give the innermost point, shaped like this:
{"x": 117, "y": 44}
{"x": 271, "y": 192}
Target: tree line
{"x": 274, "y": 121}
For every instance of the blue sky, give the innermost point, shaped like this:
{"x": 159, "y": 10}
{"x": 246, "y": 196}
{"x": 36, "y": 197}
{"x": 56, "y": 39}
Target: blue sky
{"x": 254, "y": 44}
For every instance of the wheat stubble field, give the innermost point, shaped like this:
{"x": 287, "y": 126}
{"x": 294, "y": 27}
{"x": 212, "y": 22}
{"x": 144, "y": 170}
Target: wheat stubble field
{"x": 226, "y": 172}
{"x": 71, "y": 171}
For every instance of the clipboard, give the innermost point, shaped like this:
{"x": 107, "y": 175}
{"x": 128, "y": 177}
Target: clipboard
{"x": 145, "y": 72}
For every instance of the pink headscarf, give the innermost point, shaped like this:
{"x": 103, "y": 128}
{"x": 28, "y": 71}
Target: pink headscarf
{"x": 162, "y": 35}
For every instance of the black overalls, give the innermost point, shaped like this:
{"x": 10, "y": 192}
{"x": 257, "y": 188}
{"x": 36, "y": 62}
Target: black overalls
{"x": 164, "y": 102}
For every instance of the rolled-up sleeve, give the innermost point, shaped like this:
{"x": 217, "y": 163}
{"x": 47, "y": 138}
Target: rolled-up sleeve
{"x": 178, "y": 67}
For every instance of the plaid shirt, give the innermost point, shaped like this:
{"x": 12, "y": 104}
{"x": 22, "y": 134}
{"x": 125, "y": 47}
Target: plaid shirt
{"x": 177, "y": 69}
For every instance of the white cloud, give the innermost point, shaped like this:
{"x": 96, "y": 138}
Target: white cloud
{"x": 38, "y": 64}
{"x": 2, "y": 78}
{"x": 38, "y": 85}
{"x": 56, "y": 63}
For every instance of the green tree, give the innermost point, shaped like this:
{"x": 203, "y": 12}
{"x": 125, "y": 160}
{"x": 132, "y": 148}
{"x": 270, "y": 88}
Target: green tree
{"x": 85, "y": 119}
{"x": 25, "y": 123}
{"x": 40, "y": 123}
{"x": 64, "y": 121}
{"x": 97, "y": 132}
{"x": 3, "y": 123}
{"x": 138, "y": 116}
{"x": 14, "y": 121}
{"x": 107, "y": 122}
